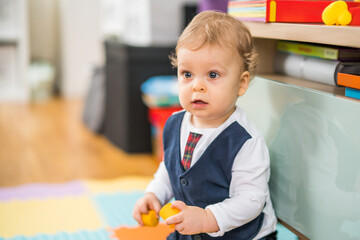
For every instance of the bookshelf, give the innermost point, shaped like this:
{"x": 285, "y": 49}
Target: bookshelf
{"x": 266, "y": 35}
{"x": 313, "y": 136}
{"x": 318, "y": 33}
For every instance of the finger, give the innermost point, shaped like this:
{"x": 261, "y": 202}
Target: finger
{"x": 143, "y": 209}
{"x": 179, "y": 227}
{"x": 137, "y": 217}
{"x": 156, "y": 207}
{"x": 179, "y": 205}
{"x": 176, "y": 219}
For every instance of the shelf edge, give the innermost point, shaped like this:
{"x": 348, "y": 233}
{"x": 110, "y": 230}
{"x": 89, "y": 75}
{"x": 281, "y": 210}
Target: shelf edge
{"x": 319, "y": 33}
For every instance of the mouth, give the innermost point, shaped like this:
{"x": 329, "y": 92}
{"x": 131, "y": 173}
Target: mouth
{"x": 198, "y": 101}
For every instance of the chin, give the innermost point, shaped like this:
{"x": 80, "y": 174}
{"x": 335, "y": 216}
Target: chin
{"x": 199, "y": 114}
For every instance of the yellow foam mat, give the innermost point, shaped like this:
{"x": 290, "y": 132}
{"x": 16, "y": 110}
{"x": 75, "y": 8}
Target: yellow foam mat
{"x": 46, "y": 215}
{"x": 121, "y": 184}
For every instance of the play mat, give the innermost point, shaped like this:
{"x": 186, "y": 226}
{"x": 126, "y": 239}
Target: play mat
{"x": 79, "y": 210}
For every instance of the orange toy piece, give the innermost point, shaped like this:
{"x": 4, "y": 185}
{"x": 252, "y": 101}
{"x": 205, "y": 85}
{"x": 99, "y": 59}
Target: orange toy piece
{"x": 167, "y": 211}
{"x": 150, "y": 219}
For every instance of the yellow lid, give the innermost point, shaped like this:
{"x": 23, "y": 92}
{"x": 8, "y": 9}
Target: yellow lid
{"x": 167, "y": 211}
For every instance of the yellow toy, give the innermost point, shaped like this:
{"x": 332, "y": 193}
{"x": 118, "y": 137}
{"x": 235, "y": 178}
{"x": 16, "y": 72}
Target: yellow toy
{"x": 167, "y": 211}
{"x": 150, "y": 219}
{"x": 336, "y": 13}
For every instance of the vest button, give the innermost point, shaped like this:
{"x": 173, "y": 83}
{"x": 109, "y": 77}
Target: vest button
{"x": 184, "y": 182}
{"x": 197, "y": 237}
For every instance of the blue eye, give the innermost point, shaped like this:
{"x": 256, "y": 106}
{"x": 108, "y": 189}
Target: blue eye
{"x": 213, "y": 75}
{"x": 187, "y": 75}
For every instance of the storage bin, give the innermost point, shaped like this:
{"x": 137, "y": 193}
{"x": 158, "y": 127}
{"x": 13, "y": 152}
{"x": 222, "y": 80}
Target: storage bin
{"x": 160, "y": 94}
{"x": 157, "y": 118}
{"x": 125, "y": 122}
{"x": 160, "y": 91}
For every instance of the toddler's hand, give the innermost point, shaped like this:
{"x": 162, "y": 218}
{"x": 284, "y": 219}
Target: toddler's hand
{"x": 192, "y": 220}
{"x": 144, "y": 204}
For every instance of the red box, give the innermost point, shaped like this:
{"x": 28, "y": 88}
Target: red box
{"x": 157, "y": 118}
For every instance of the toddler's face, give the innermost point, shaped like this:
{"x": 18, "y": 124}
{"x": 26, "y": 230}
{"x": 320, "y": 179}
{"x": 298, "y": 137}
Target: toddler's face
{"x": 209, "y": 82}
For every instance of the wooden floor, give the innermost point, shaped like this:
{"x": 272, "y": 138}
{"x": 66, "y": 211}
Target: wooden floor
{"x": 47, "y": 142}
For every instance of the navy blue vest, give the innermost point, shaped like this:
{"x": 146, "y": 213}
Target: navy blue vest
{"x": 208, "y": 180}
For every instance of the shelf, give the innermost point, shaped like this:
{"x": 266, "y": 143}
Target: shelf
{"x": 267, "y": 34}
{"x": 334, "y": 35}
{"x": 9, "y": 37}
{"x": 325, "y": 88}
{"x": 335, "y": 90}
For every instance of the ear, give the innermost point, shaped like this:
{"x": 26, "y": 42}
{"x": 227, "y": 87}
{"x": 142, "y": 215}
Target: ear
{"x": 244, "y": 83}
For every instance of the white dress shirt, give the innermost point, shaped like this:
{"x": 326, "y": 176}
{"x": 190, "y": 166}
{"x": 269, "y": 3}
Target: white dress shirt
{"x": 249, "y": 183}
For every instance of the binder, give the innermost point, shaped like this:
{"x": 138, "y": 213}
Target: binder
{"x": 352, "y": 92}
{"x": 348, "y": 80}
{"x": 319, "y": 51}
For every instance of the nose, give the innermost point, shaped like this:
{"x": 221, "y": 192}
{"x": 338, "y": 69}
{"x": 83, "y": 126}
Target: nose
{"x": 199, "y": 86}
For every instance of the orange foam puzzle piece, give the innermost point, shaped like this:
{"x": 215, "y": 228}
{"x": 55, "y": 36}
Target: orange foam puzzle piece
{"x": 160, "y": 232}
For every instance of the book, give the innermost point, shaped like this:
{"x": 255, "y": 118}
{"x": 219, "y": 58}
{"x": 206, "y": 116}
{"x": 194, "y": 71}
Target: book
{"x": 251, "y": 10}
{"x": 319, "y": 50}
{"x": 299, "y": 11}
{"x": 348, "y": 80}
{"x": 313, "y": 69}
{"x": 352, "y": 92}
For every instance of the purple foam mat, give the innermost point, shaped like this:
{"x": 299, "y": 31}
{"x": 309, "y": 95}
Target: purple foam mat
{"x": 40, "y": 190}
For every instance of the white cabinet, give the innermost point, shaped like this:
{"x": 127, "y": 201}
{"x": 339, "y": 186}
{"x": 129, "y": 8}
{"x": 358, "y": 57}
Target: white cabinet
{"x": 14, "y": 54}
{"x": 313, "y": 135}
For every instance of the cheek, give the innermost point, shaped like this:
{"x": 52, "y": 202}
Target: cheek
{"x": 228, "y": 96}
{"x": 183, "y": 94}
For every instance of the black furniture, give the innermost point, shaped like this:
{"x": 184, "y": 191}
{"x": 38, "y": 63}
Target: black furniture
{"x": 127, "y": 67}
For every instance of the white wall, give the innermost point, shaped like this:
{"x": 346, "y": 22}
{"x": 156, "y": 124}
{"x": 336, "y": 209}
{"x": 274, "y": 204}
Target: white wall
{"x": 81, "y": 44}
{"x": 112, "y": 18}
{"x": 69, "y": 33}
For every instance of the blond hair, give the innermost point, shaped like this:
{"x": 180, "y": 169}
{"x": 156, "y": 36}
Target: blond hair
{"x": 216, "y": 28}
